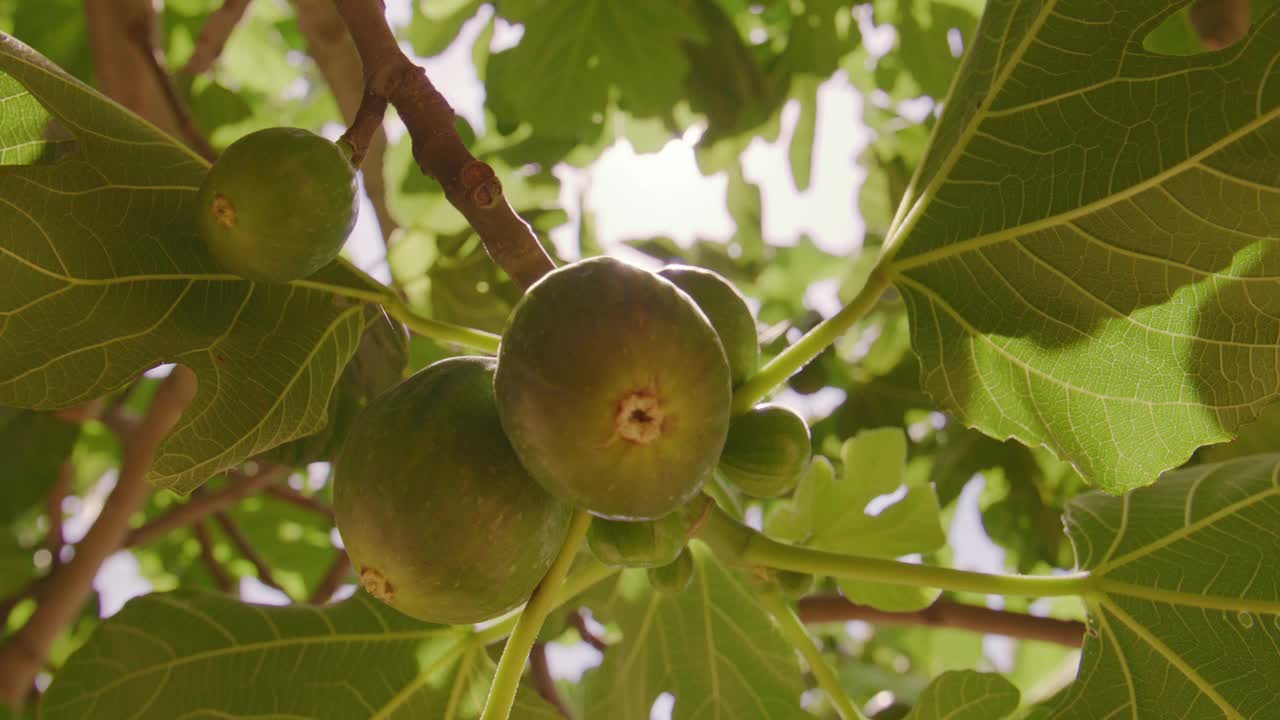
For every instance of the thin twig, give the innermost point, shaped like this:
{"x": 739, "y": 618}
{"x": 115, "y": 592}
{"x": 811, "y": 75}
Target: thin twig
{"x": 54, "y": 540}
{"x": 469, "y": 184}
{"x": 186, "y": 124}
{"x": 232, "y": 531}
{"x": 540, "y": 673}
{"x": 948, "y": 614}
{"x": 23, "y": 654}
{"x": 214, "y": 35}
{"x": 330, "y": 45}
{"x": 221, "y": 579}
{"x": 202, "y": 506}
{"x": 332, "y": 580}
{"x": 302, "y": 500}
{"x": 578, "y": 620}
{"x": 364, "y": 126}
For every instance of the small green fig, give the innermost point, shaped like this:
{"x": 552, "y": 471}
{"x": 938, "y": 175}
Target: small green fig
{"x": 768, "y": 448}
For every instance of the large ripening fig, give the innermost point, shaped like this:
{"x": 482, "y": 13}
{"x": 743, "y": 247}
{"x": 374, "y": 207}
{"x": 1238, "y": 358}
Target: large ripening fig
{"x": 614, "y": 389}
{"x": 440, "y": 519}
{"x": 728, "y": 312}
{"x": 278, "y": 205}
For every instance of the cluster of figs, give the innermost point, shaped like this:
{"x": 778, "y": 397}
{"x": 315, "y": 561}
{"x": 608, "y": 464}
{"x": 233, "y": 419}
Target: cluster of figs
{"x": 611, "y": 393}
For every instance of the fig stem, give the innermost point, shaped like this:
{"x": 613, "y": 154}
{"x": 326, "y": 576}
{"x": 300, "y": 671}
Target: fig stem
{"x": 441, "y": 331}
{"x": 738, "y": 544}
{"x": 794, "y": 358}
{"x": 502, "y": 693}
{"x": 581, "y": 580}
{"x": 796, "y": 634}
{"x": 444, "y": 332}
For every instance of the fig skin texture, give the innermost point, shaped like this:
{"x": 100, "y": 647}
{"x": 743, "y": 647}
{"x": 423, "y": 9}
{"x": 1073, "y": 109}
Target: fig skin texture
{"x": 637, "y": 544}
{"x": 439, "y": 517}
{"x": 728, "y": 312}
{"x": 614, "y": 389}
{"x": 768, "y": 448}
{"x": 675, "y": 576}
{"x": 278, "y": 205}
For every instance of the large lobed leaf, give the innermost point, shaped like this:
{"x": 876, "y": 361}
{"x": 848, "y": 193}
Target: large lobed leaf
{"x": 1088, "y": 249}
{"x": 711, "y": 646}
{"x": 203, "y": 655}
{"x": 966, "y": 695}
{"x": 833, "y": 514}
{"x": 1184, "y": 602}
{"x": 102, "y": 276}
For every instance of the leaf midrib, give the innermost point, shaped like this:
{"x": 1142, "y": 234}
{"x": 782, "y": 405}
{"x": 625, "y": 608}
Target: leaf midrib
{"x": 382, "y": 637}
{"x": 999, "y": 236}
{"x": 1173, "y": 659}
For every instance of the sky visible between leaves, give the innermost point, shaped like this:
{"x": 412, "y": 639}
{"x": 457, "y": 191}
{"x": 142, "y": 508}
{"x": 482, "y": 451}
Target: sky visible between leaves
{"x": 636, "y": 196}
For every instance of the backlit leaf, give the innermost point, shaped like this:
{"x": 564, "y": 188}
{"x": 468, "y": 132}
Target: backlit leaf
{"x": 1184, "y": 603}
{"x": 1087, "y": 250}
{"x": 101, "y": 245}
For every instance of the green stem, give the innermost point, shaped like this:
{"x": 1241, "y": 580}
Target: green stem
{"x": 738, "y": 543}
{"x": 794, "y": 631}
{"x": 502, "y": 693}
{"x": 794, "y": 358}
{"x": 441, "y": 331}
{"x": 579, "y": 582}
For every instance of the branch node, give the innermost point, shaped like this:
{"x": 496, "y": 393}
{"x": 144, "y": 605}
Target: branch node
{"x": 481, "y": 184}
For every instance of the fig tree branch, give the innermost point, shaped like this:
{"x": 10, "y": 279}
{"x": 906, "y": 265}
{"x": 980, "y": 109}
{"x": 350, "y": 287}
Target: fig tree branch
{"x": 366, "y": 124}
{"x": 221, "y": 579}
{"x": 946, "y": 614}
{"x": 201, "y": 506}
{"x": 214, "y": 35}
{"x": 122, "y": 66}
{"x": 246, "y": 549}
{"x": 578, "y": 620}
{"x": 469, "y": 184}
{"x": 293, "y": 497}
{"x": 540, "y": 673}
{"x": 24, "y": 653}
{"x": 178, "y": 107}
{"x": 332, "y": 580}
{"x": 330, "y": 45}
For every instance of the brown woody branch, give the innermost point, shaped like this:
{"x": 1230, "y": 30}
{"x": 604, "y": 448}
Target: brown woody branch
{"x": 201, "y": 506}
{"x": 540, "y": 673}
{"x": 221, "y": 579}
{"x": 181, "y": 114}
{"x": 469, "y": 184}
{"x": 332, "y": 579}
{"x": 293, "y": 497}
{"x": 946, "y": 614}
{"x": 364, "y": 126}
{"x": 579, "y": 622}
{"x": 214, "y": 35}
{"x": 24, "y": 653}
{"x": 330, "y": 45}
{"x": 246, "y": 549}
{"x": 1220, "y": 23}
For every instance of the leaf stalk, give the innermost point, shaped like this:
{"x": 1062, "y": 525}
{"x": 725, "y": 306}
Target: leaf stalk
{"x": 502, "y": 693}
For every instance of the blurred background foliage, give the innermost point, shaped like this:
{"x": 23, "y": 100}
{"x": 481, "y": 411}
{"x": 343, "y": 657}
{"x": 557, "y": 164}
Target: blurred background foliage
{"x": 563, "y": 83}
